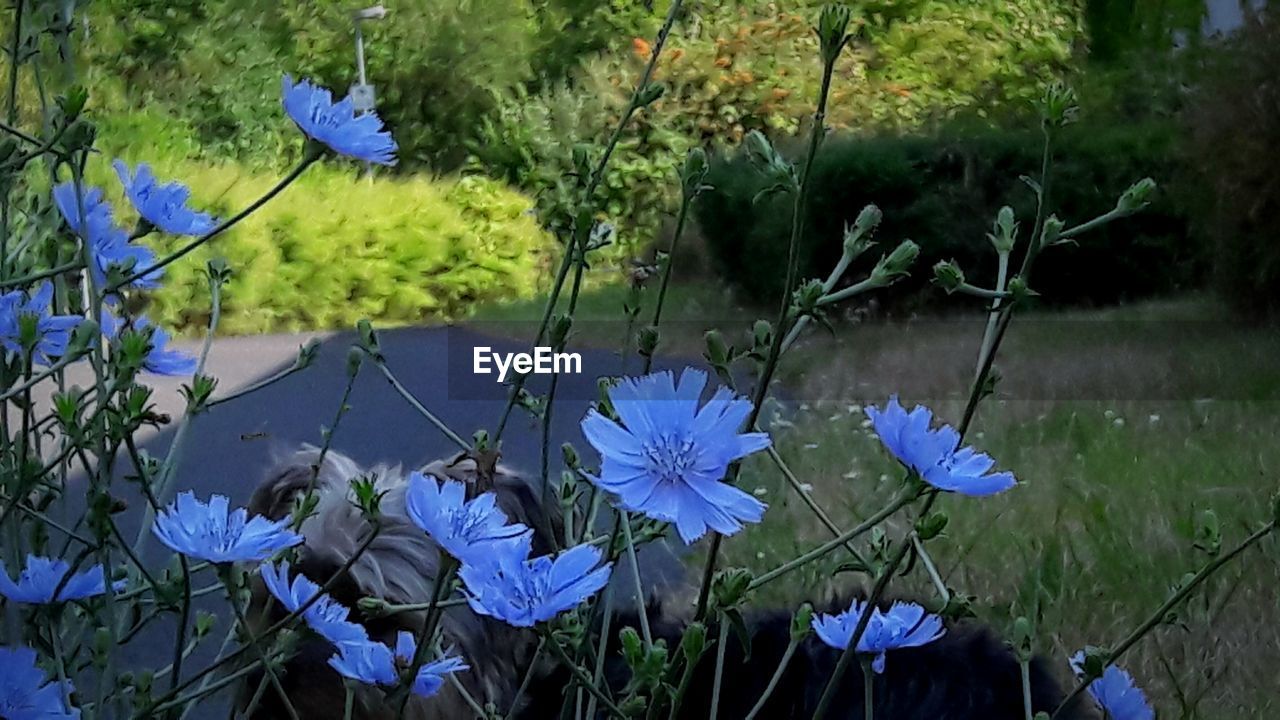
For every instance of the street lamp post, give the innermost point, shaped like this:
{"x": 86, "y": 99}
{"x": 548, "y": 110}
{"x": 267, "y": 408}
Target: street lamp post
{"x": 362, "y": 94}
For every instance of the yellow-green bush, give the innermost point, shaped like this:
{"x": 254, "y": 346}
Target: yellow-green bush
{"x": 333, "y": 248}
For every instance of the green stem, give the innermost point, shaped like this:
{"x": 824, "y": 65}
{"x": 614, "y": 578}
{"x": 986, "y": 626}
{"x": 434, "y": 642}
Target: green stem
{"x": 868, "y": 687}
{"x": 250, "y": 389}
{"x": 170, "y": 467}
{"x": 721, "y": 648}
{"x": 686, "y": 199}
{"x": 284, "y": 622}
{"x": 1024, "y": 666}
{"x": 593, "y": 183}
{"x": 415, "y": 404}
{"x": 827, "y": 547}
{"x": 846, "y": 658}
{"x": 233, "y": 596}
{"x": 349, "y": 704}
{"x": 606, "y": 624}
{"x": 641, "y": 608}
{"x": 809, "y": 502}
{"x": 780, "y": 327}
{"x": 444, "y": 579}
{"x": 308, "y": 159}
{"x": 583, "y": 679}
{"x": 41, "y": 275}
{"x": 1161, "y": 612}
{"x": 775, "y": 679}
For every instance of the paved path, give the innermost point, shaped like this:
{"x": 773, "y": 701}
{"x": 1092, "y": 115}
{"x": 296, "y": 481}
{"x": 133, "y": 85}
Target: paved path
{"x": 232, "y": 446}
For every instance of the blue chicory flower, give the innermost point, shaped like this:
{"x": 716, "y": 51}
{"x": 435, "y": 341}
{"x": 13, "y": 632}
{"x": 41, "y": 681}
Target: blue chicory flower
{"x": 1116, "y": 693}
{"x": 25, "y": 693}
{"x": 936, "y": 453}
{"x": 668, "y": 457}
{"x": 164, "y": 205}
{"x": 524, "y": 592}
{"x": 96, "y": 211}
{"x": 336, "y": 124}
{"x": 159, "y": 359}
{"x": 52, "y": 331}
{"x": 42, "y": 576}
{"x": 902, "y": 625}
{"x": 215, "y": 533}
{"x": 108, "y": 245}
{"x": 373, "y": 663}
{"x": 470, "y": 531}
{"x": 325, "y": 616}
{"x": 369, "y": 662}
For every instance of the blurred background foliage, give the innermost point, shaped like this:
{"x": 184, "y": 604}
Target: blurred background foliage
{"x": 930, "y": 119}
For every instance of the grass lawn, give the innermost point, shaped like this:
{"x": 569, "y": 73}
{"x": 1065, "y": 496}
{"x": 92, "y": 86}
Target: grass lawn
{"x": 1124, "y": 426}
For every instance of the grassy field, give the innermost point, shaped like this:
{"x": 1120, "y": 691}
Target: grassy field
{"x": 1124, "y": 426}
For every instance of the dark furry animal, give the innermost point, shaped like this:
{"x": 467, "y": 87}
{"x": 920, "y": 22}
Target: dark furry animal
{"x": 399, "y": 566}
{"x": 968, "y": 674}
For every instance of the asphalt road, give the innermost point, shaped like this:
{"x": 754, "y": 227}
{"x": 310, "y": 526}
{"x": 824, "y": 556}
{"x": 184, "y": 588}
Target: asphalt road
{"x": 232, "y": 446}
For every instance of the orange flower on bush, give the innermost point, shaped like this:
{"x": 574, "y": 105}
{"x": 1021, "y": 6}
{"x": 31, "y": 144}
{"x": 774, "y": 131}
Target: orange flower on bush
{"x": 723, "y": 62}
{"x": 641, "y": 48}
{"x": 677, "y": 54}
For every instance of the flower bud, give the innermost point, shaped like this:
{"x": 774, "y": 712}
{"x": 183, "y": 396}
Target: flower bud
{"x": 355, "y": 358}
{"x": 869, "y": 219}
{"x": 948, "y": 276}
{"x": 1023, "y": 636}
{"x": 694, "y": 642}
{"x": 368, "y": 338}
{"x": 931, "y": 526}
{"x": 762, "y": 334}
{"x": 1059, "y": 107}
{"x": 307, "y": 354}
{"x": 895, "y": 264}
{"x": 805, "y": 298}
{"x": 1019, "y": 291}
{"x": 204, "y": 623}
{"x": 218, "y": 271}
{"x": 730, "y": 586}
{"x": 833, "y": 31}
{"x": 647, "y": 342}
{"x": 694, "y": 174}
{"x": 72, "y": 103}
{"x": 1004, "y": 231}
{"x": 649, "y": 94}
{"x": 857, "y": 237}
{"x": 1094, "y": 663}
{"x": 802, "y": 622}
{"x": 560, "y": 327}
{"x": 570, "y": 456}
{"x": 717, "y": 352}
{"x": 1052, "y": 229}
{"x": 1136, "y": 197}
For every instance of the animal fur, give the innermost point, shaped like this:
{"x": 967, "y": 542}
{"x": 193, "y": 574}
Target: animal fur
{"x": 969, "y": 674}
{"x": 399, "y": 566}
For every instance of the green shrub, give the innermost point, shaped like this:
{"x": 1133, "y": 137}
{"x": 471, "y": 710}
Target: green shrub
{"x": 731, "y": 67}
{"x": 1235, "y": 122}
{"x": 943, "y": 192}
{"x": 529, "y": 140}
{"x": 330, "y": 250}
{"x": 217, "y": 66}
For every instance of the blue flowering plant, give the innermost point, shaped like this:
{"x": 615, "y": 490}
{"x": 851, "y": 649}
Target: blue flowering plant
{"x": 102, "y": 550}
